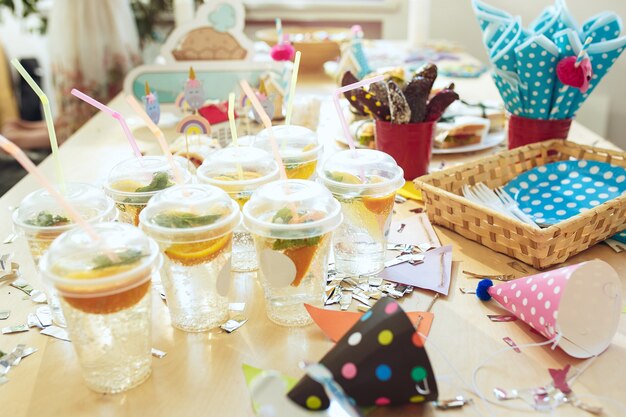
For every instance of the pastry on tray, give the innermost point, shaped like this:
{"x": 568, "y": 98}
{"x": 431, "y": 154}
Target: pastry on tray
{"x": 493, "y": 110}
{"x": 463, "y": 131}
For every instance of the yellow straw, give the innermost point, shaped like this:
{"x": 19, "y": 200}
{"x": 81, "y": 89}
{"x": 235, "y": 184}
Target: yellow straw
{"x": 233, "y": 129}
{"x": 160, "y": 138}
{"x": 49, "y": 120}
{"x": 292, "y": 87}
{"x": 267, "y": 122}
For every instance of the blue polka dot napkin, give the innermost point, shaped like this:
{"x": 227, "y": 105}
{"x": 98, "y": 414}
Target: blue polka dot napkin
{"x": 527, "y": 79}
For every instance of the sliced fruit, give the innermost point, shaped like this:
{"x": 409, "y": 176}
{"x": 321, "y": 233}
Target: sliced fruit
{"x": 247, "y": 175}
{"x": 196, "y": 253}
{"x": 301, "y": 171}
{"x": 303, "y": 257}
{"x": 381, "y": 206}
{"x": 106, "y": 304}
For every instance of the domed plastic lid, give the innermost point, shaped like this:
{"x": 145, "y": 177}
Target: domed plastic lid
{"x": 142, "y": 177}
{"x": 292, "y": 209}
{"x": 295, "y": 143}
{"x": 190, "y": 213}
{"x": 40, "y": 210}
{"x": 238, "y": 169}
{"x": 361, "y": 172}
{"x": 121, "y": 258}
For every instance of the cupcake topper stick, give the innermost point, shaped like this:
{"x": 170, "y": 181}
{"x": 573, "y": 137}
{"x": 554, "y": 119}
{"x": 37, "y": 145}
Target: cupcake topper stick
{"x": 233, "y": 128}
{"x": 583, "y": 52}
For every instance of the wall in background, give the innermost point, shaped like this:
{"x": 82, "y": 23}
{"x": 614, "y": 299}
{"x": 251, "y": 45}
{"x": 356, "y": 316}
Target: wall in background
{"x": 454, "y": 20}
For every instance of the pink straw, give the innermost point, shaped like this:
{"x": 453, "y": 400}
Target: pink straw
{"x": 114, "y": 114}
{"x": 28, "y": 165}
{"x": 268, "y": 125}
{"x": 337, "y": 94}
{"x": 160, "y": 138}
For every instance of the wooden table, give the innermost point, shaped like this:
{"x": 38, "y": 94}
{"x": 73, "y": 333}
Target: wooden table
{"x": 201, "y": 374}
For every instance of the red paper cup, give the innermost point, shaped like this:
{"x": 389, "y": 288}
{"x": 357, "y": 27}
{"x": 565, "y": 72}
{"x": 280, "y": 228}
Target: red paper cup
{"x": 409, "y": 144}
{"x": 524, "y": 131}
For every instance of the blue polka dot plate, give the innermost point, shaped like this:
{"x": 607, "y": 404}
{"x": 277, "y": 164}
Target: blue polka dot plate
{"x": 560, "y": 190}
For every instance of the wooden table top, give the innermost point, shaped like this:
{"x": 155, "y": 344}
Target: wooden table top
{"x": 201, "y": 374}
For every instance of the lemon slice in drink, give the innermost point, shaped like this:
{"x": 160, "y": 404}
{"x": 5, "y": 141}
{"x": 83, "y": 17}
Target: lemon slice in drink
{"x": 196, "y": 253}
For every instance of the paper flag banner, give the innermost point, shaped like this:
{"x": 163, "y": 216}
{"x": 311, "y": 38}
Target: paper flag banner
{"x": 335, "y": 324}
{"x": 381, "y": 361}
{"x": 415, "y": 230}
{"x": 434, "y": 274}
{"x": 581, "y": 303}
{"x": 536, "y": 60}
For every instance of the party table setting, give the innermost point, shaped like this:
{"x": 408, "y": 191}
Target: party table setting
{"x": 240, "y": 259}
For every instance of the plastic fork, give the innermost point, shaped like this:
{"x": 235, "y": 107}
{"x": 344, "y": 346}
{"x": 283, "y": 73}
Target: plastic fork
{"x": 512, "y": 206}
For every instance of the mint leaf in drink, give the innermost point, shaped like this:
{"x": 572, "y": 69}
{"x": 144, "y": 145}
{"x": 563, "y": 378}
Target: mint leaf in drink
{"x": 160, "y": 181}
{"x": 284, "y": 244}
{"x": 181, "y": 220}
{"x": 126, "y": 257}
{"x": 283, "y": 216}
{"x": 45, "y": 219}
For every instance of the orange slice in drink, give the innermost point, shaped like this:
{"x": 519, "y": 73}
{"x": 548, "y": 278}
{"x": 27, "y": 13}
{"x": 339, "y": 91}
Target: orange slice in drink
{"x": 380, "y": 206}
{"x": 302, "y": 258}
{"x": 189, "y": 254}
{"x": 105, "y": 304}
{"x": 302, "y": 171}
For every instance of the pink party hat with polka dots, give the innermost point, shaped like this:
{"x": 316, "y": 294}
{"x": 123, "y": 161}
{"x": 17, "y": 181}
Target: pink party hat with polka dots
{"x": 380, "y": 361}
{"x": 579, "y": 305}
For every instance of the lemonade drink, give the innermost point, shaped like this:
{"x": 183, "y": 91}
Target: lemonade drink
{"x": 291, "y": 223}
{"x": 239, "y": 171}
{"x": 365, "y": 182}
{"x": 193, "y": 225}
{"x": 104, "y": 286}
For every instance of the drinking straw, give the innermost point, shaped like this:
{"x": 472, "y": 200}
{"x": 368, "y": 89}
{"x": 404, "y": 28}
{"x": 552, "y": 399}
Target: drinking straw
{"x": 233, "y": 129}
{"x": 583, "y": 51}
{"x": 337, "y": 94}
{"x": 49, "y": 120}
{"x": 19, "y": 155}
{"x": 267, "y": 123}
{"x": 160, "y": 138}
{"x": 114, "y": 114}
{"x": 292, "y": 87}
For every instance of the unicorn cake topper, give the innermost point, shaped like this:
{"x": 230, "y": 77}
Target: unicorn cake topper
{"x": 151, "y": 104}
{"x": 194, "y": 92}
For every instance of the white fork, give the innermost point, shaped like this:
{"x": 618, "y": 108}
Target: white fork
{"x": 512, "y": 206}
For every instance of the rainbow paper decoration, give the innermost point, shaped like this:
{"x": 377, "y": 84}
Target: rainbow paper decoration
{"x": 194, "y": 125}
{"x": 524, "y": 60}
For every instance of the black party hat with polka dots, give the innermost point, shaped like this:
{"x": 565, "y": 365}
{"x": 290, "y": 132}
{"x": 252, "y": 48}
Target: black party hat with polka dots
{"x": 381, "y": 361}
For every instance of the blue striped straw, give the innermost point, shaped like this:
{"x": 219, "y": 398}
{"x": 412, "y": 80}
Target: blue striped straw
{"x": 279, "y": 30}
{"x": 583, "y": 52}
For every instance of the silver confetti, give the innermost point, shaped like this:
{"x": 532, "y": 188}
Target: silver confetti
{"x": 345, "y": 301}
{"x": 56, "y": 332}
{"x": 33, "y": 321}
{"x": 4, "y": 314}
{"x": 362, "y": 298}
{"x": 399, "y": 199}
{"x": 45, "y": 316}
{"x": 457, "y": 402}
{"x": 15, "y": 329}
{"x": 10, "y": 239}
{"x": 11, "y": 272}
{"x": 363, "y": 308}
{"x": 38, "y": 297}
{"x": 158, "y": 353}
{"x": 375, "y": 281}
{"x": 233, "y": 324}
{"x": 22, "y": 285}
{"x": 467, "y": 290}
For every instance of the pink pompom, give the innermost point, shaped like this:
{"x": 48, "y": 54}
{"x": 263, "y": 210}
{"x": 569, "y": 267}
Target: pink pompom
{"x": 578, "y": 77}
{"x": 283, "y": 52}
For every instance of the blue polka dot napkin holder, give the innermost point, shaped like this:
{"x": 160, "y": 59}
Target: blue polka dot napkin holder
{"x": 524, "y": 60}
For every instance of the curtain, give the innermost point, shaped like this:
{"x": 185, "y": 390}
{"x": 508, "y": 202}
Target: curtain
{"x": 93, "y": 44}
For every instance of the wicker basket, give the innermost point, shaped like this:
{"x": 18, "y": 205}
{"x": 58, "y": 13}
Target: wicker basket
{"x": 540, "y": 248}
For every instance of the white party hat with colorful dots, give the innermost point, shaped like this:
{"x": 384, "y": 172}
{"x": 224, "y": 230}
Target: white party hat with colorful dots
{"x": 580, "y": 305}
